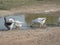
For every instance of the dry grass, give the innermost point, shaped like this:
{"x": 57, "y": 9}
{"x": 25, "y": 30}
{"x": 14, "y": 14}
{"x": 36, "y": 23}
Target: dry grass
{"x": 48, "y": 36}
{"x": 31, "y": 9}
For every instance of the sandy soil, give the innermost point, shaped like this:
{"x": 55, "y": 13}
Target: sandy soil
{"x": 48, "y": 36}
{"x": 32, "y": 9}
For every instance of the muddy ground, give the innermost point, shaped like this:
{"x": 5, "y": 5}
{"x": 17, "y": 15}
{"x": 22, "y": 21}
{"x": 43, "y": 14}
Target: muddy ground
{"x": 48, "y": 36}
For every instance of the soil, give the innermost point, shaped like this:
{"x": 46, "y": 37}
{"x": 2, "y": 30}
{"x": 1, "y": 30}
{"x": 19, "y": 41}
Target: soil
{"x": 44, "y": 8}
{"x": 48, "y": 36}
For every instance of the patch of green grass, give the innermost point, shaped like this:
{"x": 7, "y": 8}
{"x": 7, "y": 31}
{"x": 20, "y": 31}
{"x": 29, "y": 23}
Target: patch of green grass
{"x": 8, "y": 4}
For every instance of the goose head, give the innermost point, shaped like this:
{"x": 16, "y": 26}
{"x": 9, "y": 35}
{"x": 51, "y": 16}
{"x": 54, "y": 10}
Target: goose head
{"x": 11, "y": 20}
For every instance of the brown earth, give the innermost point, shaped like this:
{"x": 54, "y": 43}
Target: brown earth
{"x": 32, "y": 9}
{"x": 48, "y": 36}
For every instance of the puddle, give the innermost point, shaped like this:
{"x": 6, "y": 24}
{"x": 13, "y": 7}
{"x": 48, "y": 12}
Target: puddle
{"x": 16, "y": 17}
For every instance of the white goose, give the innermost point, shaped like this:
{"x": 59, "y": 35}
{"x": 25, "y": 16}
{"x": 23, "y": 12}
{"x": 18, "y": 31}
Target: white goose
{"x": 18, "y": 24}
{"x": 9, "y": 23}
{"x": 40, "y": 20}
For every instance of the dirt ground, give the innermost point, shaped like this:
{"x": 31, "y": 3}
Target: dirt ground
{"x": 32, "y": 9}
{"x": 48, "y": 36}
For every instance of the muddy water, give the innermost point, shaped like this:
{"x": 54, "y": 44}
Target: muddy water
{"x": 15, "y": 17}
